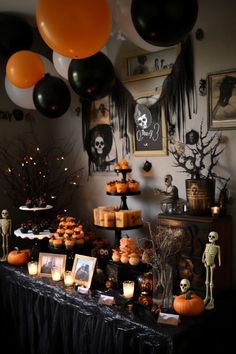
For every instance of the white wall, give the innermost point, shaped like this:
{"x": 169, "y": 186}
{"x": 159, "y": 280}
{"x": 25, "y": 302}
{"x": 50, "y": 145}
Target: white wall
{"x": 217, "y": 51}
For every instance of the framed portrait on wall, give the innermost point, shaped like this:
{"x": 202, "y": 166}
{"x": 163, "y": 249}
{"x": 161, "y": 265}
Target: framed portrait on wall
{"x": 150, "y": 130}
{"x": 144, "y": 65}
{"x": 221, "y": 90}
{"x": 100, "y": 141}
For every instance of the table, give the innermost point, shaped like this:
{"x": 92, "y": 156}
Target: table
{"x": 42, "y": 317}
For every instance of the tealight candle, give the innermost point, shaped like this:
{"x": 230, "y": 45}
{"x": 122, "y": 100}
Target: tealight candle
{"x": 56, "y": 273}
{"x": 33, "y": 268}
{"x": 68, "y": 278}
{"x": 215, "y": 211}
{"x": 128, "y": 289}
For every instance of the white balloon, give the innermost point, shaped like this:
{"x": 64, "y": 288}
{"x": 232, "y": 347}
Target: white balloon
{"x": 49, "y": 67}
{"x": 122, "y": 16}
{"x": 22, "y": 97}
{"x": 61, "y": 64}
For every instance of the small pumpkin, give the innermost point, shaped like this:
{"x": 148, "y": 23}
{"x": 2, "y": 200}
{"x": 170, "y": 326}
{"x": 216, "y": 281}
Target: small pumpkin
{"x": 188, "y": 304}
{"x": 19, "y": 257}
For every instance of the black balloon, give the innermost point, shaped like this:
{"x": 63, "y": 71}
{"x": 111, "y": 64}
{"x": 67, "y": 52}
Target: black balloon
{"x": 92, "y": 78}
{"x": 15, "y": 34}
{"x": 51, "y": 96}
{"x": 164, "y": 22}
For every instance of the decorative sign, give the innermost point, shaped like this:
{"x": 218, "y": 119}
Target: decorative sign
{"x": 150, "y": 136}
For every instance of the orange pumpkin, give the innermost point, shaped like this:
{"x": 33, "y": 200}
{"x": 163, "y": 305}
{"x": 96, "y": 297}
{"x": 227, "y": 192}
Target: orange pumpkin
{"x": 19, "y": 257}
{"x": 188, "y": 304}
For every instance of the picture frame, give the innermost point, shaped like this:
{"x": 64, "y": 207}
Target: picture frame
{"x": 83, "y": 269}
{"x": 49, "y": 260}
{"x": 143, "y": 65}
{"x": 221, "y": 91}
{"x": 100, "y": 142}
{"x": 150, "y": 135}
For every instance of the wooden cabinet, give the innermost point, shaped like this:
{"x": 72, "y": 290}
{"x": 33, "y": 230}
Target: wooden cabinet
{"x": 197, "y": 229}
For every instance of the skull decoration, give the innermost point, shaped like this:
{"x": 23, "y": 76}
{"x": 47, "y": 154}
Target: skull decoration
{"x": 142, "y": 116}
{"x": 99, "y": 145}
{"x": 194, "y": 189}
{"x": 5, "y": 214}
{"x": 142, "y": 121}
{"x": 213, "y": 236}
{"x": 184, "y": 285}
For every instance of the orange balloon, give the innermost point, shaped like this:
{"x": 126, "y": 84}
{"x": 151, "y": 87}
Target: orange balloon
{"x": 74, "y": 28}
{"x": 24, "y": 69}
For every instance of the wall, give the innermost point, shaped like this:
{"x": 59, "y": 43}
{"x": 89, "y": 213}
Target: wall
{"x": 217, "y": 51}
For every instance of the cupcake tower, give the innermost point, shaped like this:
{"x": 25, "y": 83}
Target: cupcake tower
{"x": 123, "y": 185}
{"x": 120, "y": 218}
{"x": 68, "y": 234}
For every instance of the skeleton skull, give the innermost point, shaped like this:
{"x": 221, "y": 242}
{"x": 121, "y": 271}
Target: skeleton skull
{"x": 5, "y": 214}
{"x": 184, "y": 285}
{"x": 213, "y": 236}
{"x": 99, "y": 145}
{"x": 142, "y": 121}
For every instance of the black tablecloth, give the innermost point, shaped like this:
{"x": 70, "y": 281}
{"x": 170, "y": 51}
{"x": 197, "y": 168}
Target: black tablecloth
{"x": 39, "y": 316}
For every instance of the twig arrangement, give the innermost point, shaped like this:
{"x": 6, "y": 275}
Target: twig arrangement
{"x": 194, "y": 160}
{"x": 163, "y": 247}
{"x": 31, "y": 173}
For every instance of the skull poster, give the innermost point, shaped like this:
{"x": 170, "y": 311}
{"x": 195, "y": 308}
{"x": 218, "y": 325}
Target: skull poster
{"x": 150, "y": 136}
{"x": 100, "y": 141}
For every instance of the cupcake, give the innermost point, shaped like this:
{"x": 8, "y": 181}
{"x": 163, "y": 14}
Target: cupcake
{"x": 58, "y": 243}
{"x": 124, "y": 165}
{"x": 111, "y": 187}
{"x": 69, "y": 243}
{"x": 121, "y": 186}
{"x": 133, "y": 186}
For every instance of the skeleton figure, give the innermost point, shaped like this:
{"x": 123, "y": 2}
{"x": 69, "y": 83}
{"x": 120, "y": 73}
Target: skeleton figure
{"x": 208, "y": 258}
{"x": 184, "y": 285}
{"x": 5, "y": 227}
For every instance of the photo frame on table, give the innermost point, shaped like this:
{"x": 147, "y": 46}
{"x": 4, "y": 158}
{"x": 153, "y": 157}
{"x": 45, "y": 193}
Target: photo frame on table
{"x": 49, "y": 260}
{"x": 150, "y": 130}
{"x": 221, "y": 91}
{"x": 143, "y": 65}
{"x": 83, "y": 269}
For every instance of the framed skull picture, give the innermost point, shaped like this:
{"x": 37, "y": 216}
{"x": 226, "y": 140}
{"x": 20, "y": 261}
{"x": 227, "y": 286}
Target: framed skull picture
{"x": 100, "y": 141}
{"x": 150, "y": 131}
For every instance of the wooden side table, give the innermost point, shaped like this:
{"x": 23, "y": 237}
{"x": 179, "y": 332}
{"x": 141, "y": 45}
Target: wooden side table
{"x": 197, "y": 230}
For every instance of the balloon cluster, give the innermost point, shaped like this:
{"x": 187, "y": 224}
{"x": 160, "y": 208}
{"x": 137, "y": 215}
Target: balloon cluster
{"x": 76, "y": 31}
{"x": 76, "y": 43}
{"x": 76, "y": 56}
{"x": 30, "y": 84}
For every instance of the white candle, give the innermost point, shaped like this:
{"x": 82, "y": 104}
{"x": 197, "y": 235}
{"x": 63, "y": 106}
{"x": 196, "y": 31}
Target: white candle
{"x": 56, "y": 273}
{"x": 68, "y": 278}
{"x": 33, "y": 268}
{"x": 215, "y": 210}
{"x": 128, "y": 289}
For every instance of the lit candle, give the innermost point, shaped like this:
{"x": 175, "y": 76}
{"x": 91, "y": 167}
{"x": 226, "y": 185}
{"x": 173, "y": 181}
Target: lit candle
{"x": 68, "y": 278}
{"x": 56, "y": 273}
{"x": 215, "y": 210}
{"x": 33, "y": 268}
{"x": 128, "y": 289}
